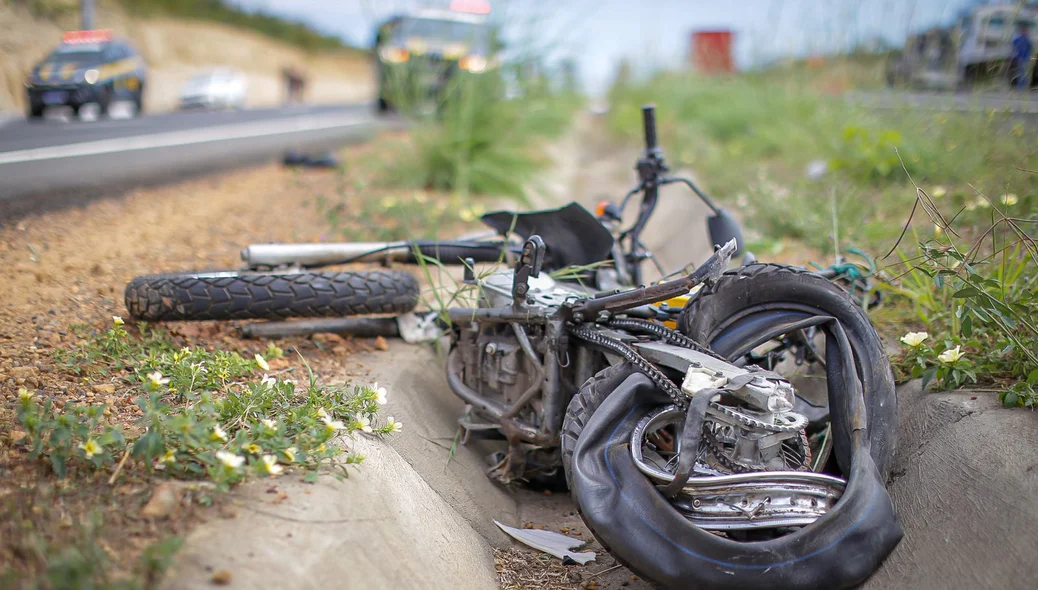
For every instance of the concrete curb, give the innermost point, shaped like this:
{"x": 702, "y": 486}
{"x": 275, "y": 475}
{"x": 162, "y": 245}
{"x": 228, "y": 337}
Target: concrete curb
{"x": 964, "y": 483}
{"x": 407, "y": 518}
{"x": 383, "y": 527}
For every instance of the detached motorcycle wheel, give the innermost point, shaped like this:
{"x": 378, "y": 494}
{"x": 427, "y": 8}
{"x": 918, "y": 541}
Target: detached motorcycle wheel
{"x": 757, "y": 298}
{"x": 641, "y": 528}
{"x": 236, "y": 295}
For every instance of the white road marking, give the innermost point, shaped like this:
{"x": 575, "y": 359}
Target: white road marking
{"x": 185, "y": 137}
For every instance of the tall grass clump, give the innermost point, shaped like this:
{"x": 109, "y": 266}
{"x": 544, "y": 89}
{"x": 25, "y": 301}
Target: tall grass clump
{"x": 483, "y": 136}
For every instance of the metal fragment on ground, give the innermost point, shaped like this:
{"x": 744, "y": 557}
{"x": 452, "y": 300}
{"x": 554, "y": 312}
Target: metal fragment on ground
{"x": 551, "y": 543}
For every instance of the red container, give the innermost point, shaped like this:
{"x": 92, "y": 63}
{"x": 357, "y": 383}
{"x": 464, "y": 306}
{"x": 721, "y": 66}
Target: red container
{"x": 712, "y": 51}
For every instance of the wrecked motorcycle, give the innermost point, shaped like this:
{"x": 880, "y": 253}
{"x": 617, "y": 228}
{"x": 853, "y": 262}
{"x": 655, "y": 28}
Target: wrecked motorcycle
{"x": 721, "y": 429}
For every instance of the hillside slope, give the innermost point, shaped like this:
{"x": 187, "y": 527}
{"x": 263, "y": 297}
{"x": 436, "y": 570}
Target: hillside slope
{"x": 174, "y": 50}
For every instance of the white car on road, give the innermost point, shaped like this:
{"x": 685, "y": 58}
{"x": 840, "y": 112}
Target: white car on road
{"x": 217, "y": 88}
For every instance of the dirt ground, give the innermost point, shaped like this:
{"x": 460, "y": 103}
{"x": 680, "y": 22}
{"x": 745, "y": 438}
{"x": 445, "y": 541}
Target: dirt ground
{"x": 66, "y": 272}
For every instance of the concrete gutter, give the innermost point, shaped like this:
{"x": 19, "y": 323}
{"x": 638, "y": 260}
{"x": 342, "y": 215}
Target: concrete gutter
{"x": 964, "y": 483}
{"x": 406, "y": 518}
{"x": 384, "y": 527}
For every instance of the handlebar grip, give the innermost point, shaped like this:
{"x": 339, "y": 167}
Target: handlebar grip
{"x": 649, "y": 122}
{"x": 456, "y": 252}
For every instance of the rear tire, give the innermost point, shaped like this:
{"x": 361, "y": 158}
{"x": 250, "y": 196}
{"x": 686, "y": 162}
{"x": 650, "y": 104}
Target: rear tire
{"x": 236, "y": 295}
{"x": 746, "y": 297}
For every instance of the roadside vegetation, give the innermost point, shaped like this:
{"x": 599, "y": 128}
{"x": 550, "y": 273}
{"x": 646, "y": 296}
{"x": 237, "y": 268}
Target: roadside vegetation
{"x": 212, "y": 417}
{"x": 485, "y": 136}
{"x": 944, "y": 201}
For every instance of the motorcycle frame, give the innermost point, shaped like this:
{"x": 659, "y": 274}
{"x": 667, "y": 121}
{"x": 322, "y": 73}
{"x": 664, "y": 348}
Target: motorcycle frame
{"x": 555, "y": 321}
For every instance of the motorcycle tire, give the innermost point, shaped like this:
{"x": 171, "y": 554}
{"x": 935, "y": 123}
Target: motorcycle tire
{"x": 639, "y": 527}
{"x": 748, "y": 300}
{"x": 233, "y": 295}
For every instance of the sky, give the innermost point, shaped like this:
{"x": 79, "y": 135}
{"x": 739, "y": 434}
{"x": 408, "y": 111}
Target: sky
{"x": 651, "y": 33}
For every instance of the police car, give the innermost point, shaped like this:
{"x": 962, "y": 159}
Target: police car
{"x": 417, "y": 54}
{"x": 89, "y": 67}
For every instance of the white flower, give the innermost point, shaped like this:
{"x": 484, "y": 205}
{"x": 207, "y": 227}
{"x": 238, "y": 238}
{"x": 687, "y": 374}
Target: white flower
{"x": 186, "y": 350}
{"x": 914, "y": 339}
{"x": 267, "y": 422}
{"x": 156, "y": 380}
{"x": 270, "y": 465}
{"x": 1010, "y": 199}
{"x": 24, "y": 394}
{"x": 268, "y": 382}
{"x": 118, "y": 321}
{"x": 230, "y": 460}
{"x": 951, "y": 355}
{"x": 218, "y": 434}
{"x": 90, "y": 448}
{"x": 938, "y": 192}
{"x": 321, "y": 413}
{"x": 334, "y": 425}
{"x": 363, "y": 422}
{"x": 380, "y": 393}
{"x": 393, "y": 425}
{"x": 262, "y": 362}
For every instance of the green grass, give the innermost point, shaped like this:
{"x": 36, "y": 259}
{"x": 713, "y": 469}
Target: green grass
{"x": 476, "y": 141}
{"x": 750, "y": 139}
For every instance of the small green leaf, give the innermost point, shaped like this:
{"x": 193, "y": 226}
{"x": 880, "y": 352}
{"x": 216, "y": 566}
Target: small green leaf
{"x": 57, "y": 462}
{"x": 310, "y": 477}
{"x": 1010, "y": 400}
{"x": 149, "y": 446}
{"x": 928, "y": 377}
{"x": 1032, "y": 378}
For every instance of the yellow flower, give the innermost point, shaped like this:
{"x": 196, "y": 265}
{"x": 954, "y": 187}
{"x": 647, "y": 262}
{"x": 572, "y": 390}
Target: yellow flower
{"x": 914, "y": 339}
{"x": 218, "y": 434}
{"x": 118, "y": 321}
{"x": 393, "y": 425}
{"x": 321, "y": 413}
{"x": 253, "y": 448}
{"x": 90, "y": 448}
{"x": 951, "y": 355}
{"x": 230, "y": 460}
{"x": 938, "y": 191}
{"x": 270, "y": 465}
{"x": 262, "y": 362}
{"x": 1010, "y": 200}
{"x": 982, "y": 203}
{"x": 156, "y": 380}
{"x": 937, "y": 231}
{"x": 290, "y": 454}
{"x": 321, "y": 448}
{"x": 24, "y": 394}
{"x": 167, "y": 459}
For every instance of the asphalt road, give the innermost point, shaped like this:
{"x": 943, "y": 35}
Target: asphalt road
{"x": 53, "y": 162}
